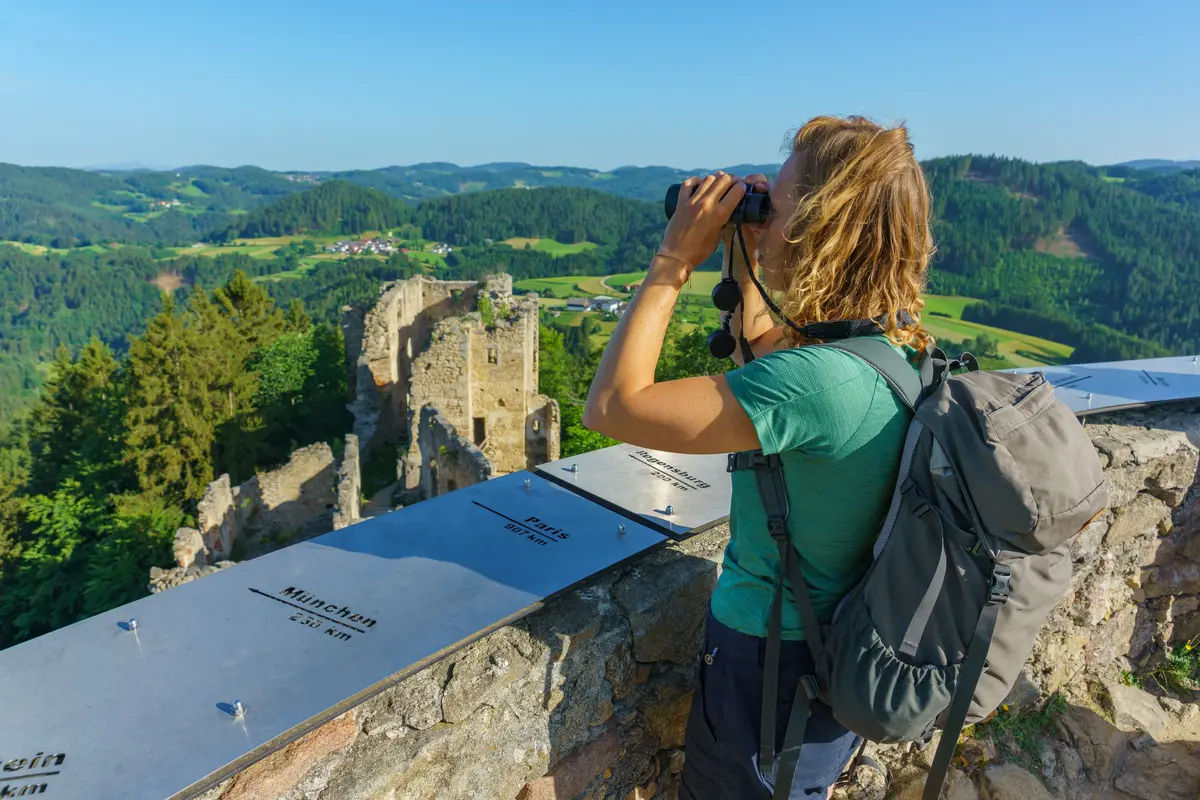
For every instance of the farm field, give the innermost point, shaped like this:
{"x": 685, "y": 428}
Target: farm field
{"x": 548, "y": 245}
{"x": 943, "y": 314}
{"x": 40, "y": 250}
{"x": 700, "y": 284}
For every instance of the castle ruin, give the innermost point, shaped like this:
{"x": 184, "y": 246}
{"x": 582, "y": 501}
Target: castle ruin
{"x": 447, "y": 371}
{"x": 465, "y": 350}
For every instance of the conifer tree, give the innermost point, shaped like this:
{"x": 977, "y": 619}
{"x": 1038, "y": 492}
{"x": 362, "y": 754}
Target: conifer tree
{"x": 297, "y": 318}
{"x": 76, "y": 428}
{"x": 169, "y": 422}
{"x": 221, "y": 352}
{"x": 252, "y": 312}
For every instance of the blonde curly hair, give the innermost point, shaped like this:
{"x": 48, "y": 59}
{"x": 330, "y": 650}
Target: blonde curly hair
{"x": 859, "y": 241}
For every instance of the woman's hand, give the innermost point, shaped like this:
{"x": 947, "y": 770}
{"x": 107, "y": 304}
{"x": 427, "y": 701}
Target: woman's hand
{"x": 695, "y": 228}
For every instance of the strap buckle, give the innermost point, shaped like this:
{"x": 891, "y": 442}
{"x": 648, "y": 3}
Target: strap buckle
{"x": 926, "y": 738}
{"x": 812, "y": 689}
{"x": 1001, "y": 585}
{"x": 750, "y": 459}
{"x": 777, "y": 526}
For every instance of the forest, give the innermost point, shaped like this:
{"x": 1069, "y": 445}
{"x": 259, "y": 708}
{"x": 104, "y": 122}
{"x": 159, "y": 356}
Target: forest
{"x": 110, "y": 460}
{"x": 1112, "y": 261}
{"x": 334, "y": 207}
{"x": 130, "y": 376}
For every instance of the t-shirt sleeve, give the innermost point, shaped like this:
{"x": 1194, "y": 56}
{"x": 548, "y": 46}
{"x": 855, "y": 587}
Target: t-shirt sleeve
{"x": 802, "y": 399}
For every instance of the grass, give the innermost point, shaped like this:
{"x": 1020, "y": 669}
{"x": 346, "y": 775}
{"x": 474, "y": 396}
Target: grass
{"x": 593, "y": 286}
{"x": 1018, "y": 349}
{"x": 556, "y": 286}
{"x": 548, "y": 245}
{"x": 306, "y": 266}
{"x": 188, "y": 189}
{"x": 947, "y": 305}
{"x": 1179, "y": 673}
{"x": 276, "y": 241}
{"x": 252, "y": 250}
{"x": 701, "y": 283}
{"x": 1018, "y": 732}
{"x": 425, "y": 257}
{"x": 41, "y": 250}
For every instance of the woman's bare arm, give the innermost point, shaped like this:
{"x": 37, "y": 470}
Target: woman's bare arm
{"x": 692, "y": 415}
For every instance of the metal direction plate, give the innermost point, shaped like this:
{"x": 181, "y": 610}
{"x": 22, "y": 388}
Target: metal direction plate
{"x": 1090, "y": 388}
{"x": 678, "y": 494}
{"x": 105, "y": 709}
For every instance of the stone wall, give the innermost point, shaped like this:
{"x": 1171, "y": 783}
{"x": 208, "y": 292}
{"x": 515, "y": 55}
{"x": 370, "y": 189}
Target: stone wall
{"x": 217, "y": 517}
{"x": 588, "y": 697}
{"x": 447, "y": 460}
{"x": 346, "y": 510}
{"x": 1134, "y": 588}
{"x": 291, "y": 503}
{"x": 273, "y": 508}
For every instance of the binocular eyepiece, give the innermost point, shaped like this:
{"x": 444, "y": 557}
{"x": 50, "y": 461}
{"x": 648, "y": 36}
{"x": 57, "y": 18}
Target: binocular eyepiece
{"x": 753, "y": 209}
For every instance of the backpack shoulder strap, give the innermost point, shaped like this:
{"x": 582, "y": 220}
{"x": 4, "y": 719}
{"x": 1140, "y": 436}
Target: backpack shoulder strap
{"x": 893, "y": 367}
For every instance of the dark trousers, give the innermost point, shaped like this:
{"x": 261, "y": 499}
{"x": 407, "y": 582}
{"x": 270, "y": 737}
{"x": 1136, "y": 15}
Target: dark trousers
{"x": 723, "y": 729}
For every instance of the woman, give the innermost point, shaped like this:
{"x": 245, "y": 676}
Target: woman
{"x": 848, "y": 238}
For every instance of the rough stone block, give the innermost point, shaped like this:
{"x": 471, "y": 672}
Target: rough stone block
{"x": 667, "y": 716}
{"x": 1166, "y": 772}
{"x": 1179, "y": 577}
{"x": 1010, "y": 782}
{"x": 484, "y": 670}
{"x": 666, "y": 603}
{"x": 1136, "y": 710}
{"x": 1140, "y": 519}
{"x": 1098, "y": 742}
{"x": 1024, "y": 692}
{"x": 216, "y": 517}
{"x": 279, "y": 772}
{"x": 573, "y": 774}
{"x": 189, "y": 549}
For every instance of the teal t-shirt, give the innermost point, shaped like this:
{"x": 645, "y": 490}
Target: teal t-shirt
{"x": 840, "y": 431}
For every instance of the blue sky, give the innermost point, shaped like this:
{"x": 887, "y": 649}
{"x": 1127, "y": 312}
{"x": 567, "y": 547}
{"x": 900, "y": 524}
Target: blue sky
{"x": 294, "y": 84}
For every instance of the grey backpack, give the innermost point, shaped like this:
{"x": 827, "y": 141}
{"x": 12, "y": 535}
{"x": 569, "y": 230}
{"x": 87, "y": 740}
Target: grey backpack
{"x": 996, "y": 478}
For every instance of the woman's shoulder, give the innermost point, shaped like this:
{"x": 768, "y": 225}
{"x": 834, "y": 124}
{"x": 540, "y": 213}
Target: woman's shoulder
{"x": 804, "y": 373}
{"x": 818, "y": 366}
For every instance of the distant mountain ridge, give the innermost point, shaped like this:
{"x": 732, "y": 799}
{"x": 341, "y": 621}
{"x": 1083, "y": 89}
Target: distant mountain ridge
{"x": 1160, "y": 165}
{"x": 61, "y": 207}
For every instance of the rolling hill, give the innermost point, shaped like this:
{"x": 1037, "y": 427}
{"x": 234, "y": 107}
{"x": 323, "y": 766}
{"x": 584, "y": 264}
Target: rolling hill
{"x": 1160, "y": 165}
{"x": 1102, "y": 259}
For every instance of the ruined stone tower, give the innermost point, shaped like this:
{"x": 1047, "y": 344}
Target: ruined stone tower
{"x": 428, "y": 369}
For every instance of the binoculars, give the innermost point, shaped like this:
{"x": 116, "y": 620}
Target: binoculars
{"x": 754, "y": 208}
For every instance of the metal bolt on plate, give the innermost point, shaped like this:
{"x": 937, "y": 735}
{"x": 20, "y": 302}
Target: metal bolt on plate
{"x": 132, "y": 624}
{"x": 574, "y": 468}
{"x": 527, "y": 483}
{"x": 670, "y": 510}
{"x": 621, "y": 529}
{"x": 238, "y": 709}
